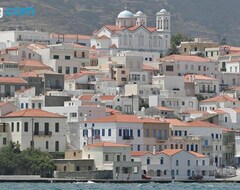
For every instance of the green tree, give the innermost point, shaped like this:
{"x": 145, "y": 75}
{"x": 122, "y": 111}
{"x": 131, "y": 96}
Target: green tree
{"x": 172, "y": 50}
{"x": 176, "y": 39}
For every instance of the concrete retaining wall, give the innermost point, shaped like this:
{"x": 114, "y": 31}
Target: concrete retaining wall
{"x": 105, "y": 174}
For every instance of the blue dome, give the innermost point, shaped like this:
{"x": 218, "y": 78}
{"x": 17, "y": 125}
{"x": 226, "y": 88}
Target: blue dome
{"x": 125, "y": 14}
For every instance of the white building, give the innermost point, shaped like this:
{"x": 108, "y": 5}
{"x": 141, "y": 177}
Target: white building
{"x": 131, "y": 33}
{"x": 115, "y": 157}
{"x": 65, "y": 58}
{"x": 221, "y": 101}
{"x": 36, "y": 128}
{"x": 139, "y": 132}
{"x": 175, "y": 163}
{"x": 17, "y": 37}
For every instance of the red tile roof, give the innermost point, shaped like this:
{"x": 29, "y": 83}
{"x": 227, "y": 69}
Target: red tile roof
{"x": 33, "y": 113}
{"x": 28, "y": 74}
{"x": 107, "y": 144}
{"x": 112, "y": 111}
{"x": 86, "y": 97}
{"x": 33, "y": 63}
{"x": 71, "y": 36}
{"x": 171, "y": 152}
{"x": 198, "y": 77}
{"x": 149, "y": 68}
{"x": 192, "y": 58}
{"x": 124, "y": 119}
{"x": 139, "y": 153}
{"x": 102, "y": 37}
{"x": 12, "y": 80}
{"x": 176, "y": 122}
{"x": 220, "y": 98}
{"x": 107, "y": 97}
{"x": 78, "y": 75}
{"x": 197, "y": 154}
{"x": 164, "y": 108}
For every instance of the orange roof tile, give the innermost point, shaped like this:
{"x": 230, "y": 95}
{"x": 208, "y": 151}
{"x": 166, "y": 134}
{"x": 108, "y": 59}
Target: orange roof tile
{"x": 86, "y": 97}
{"x": 72, "y": 36}
{"x": 203, "y": 124}
{"x": 113, "y": 46}
{"x": 102, "y": 37}
{"x": 12, "y": 80}
{"x": 112, "y": 111}
{"x": 33, "y": 63}
{"x": 33, "y": 113}
{"x": 124, "y": 119}
{"x": 219, "y": 111}
{"x": 171, "y": 152}
{"x": 194, "y": 112}
{"x": 107, "y": 97}
{"x": 139, "y": 153}
{"x": 197, "y": 154}
{"x": 149, "y": 68}
{"x": 28, "y": 74}
{"x": 192, "y": 58}
{"x": 175, "y": 122}
{"x": 236, "y": 110}
{"x": 78, "y": 75}
{"x": 107, "y": 144}
{"x": 198, "y": 77}
{"x": 164, "y": 108}
{"x": 220, "y": 98}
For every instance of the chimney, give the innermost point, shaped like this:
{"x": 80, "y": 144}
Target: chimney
{"x": 154, "y": 150}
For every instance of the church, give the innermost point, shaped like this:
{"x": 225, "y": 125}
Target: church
{"x": 131, "y": 33}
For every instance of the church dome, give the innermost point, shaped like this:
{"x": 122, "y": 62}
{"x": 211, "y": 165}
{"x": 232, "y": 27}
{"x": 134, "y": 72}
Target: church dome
{"x": 125, "y": 14}
{"x": 139, "y": 13}
{"x": 163, "y": 11}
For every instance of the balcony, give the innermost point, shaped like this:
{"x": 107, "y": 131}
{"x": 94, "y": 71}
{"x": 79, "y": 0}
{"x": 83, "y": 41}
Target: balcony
{"x": 161, "y": 139}
{"x": 42, "y": 133}
{"x": 128, "y": 138}
{"x": 207, "y": 91}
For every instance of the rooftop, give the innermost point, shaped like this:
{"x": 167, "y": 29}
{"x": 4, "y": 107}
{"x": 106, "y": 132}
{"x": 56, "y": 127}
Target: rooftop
{"x": 220, "y": 98}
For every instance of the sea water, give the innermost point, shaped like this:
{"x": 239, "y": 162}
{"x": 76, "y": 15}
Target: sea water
{"x": 123, "y": 186}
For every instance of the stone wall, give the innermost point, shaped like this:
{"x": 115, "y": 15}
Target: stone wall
{"x": 104, "y": 174}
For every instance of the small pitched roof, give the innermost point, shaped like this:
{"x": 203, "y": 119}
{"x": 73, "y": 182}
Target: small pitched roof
{"x": 176, "y": 122}
{"x": 33, "y": 63}
{"x": 79, "y": 75}
{"x": 107, "y": 144}
{"x": 139, "y": 153}
{"x": 163, "y": 108}
{"x": 86, "y": 97}
{"x": 12, "y": 80}
{"x": 149, "y": 68}
{"x": 192, "y": 58}
{"x": 220, "y": 98}
{"x": 171, "y": 152}
{"x": 199, "y": 155}
{"x": 198, "y": 77}
{"x": 107, "y": 97}
{"x": 33, "y": 113}
{"x": 112, "y": 111}
{"x": 124, "y": 119}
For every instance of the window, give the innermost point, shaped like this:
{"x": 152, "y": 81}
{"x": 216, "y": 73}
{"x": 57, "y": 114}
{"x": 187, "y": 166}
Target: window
{"x": 103, "y": 132}
{"x": 33, "y": 105}
{"x": 203, "y": 162}
{"x": 59, "y": 69}
{"x": 138, "y": 147}
{"x": 25, "y": 126}
{"x": 118, "y": 158}
{"x": 39, "y": 105}
{"x": 188, "y": 172}
{"x": 22, "y": 105}
{"x": 75, "y": 69}
{"x": 161, "y": 160}
{"x": 46, "y": 144}
{"x": 17, "y": 126}
{"x": 109, "y": 132}
{"x": 12, "y": 124}
{"x": 148, "y": 160}
{"x": 188, "y": 162}
{"x": 46, "y": 128}
{"x": 177, "y": 173}
{"x": 83, "y": 54}
{"x": 139, "y": 133}
{"x": 124, "y": 158}
{"x": 106, "y": 157}
{"x": 55, "y": 56}
{"x": 56, "y": 127}
{"x": 120, "y": 132}
{"x": 177, "y": 162}
{"x": 67, "y": 57}
{"x": 36, "y": 128}
{"x": 225, "y": 119}
{"x": 4, "y": 141}
{"x": 85, "y": 133}
{"x": 169, "y": 68}
{"x": 56, "y": 146}
{"x": 67, "y": 70}
{"x": 199, "y": 68}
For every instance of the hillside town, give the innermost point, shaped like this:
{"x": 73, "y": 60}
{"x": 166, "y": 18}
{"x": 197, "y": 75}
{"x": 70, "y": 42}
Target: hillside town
{"x": 118, "y": 104}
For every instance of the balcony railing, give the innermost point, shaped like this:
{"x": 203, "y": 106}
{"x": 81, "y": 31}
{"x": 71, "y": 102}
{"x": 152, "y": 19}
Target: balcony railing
{"x": 207, "y": 91}
{"x": 42, "y": 133}
{"x": 128, "y": 137}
